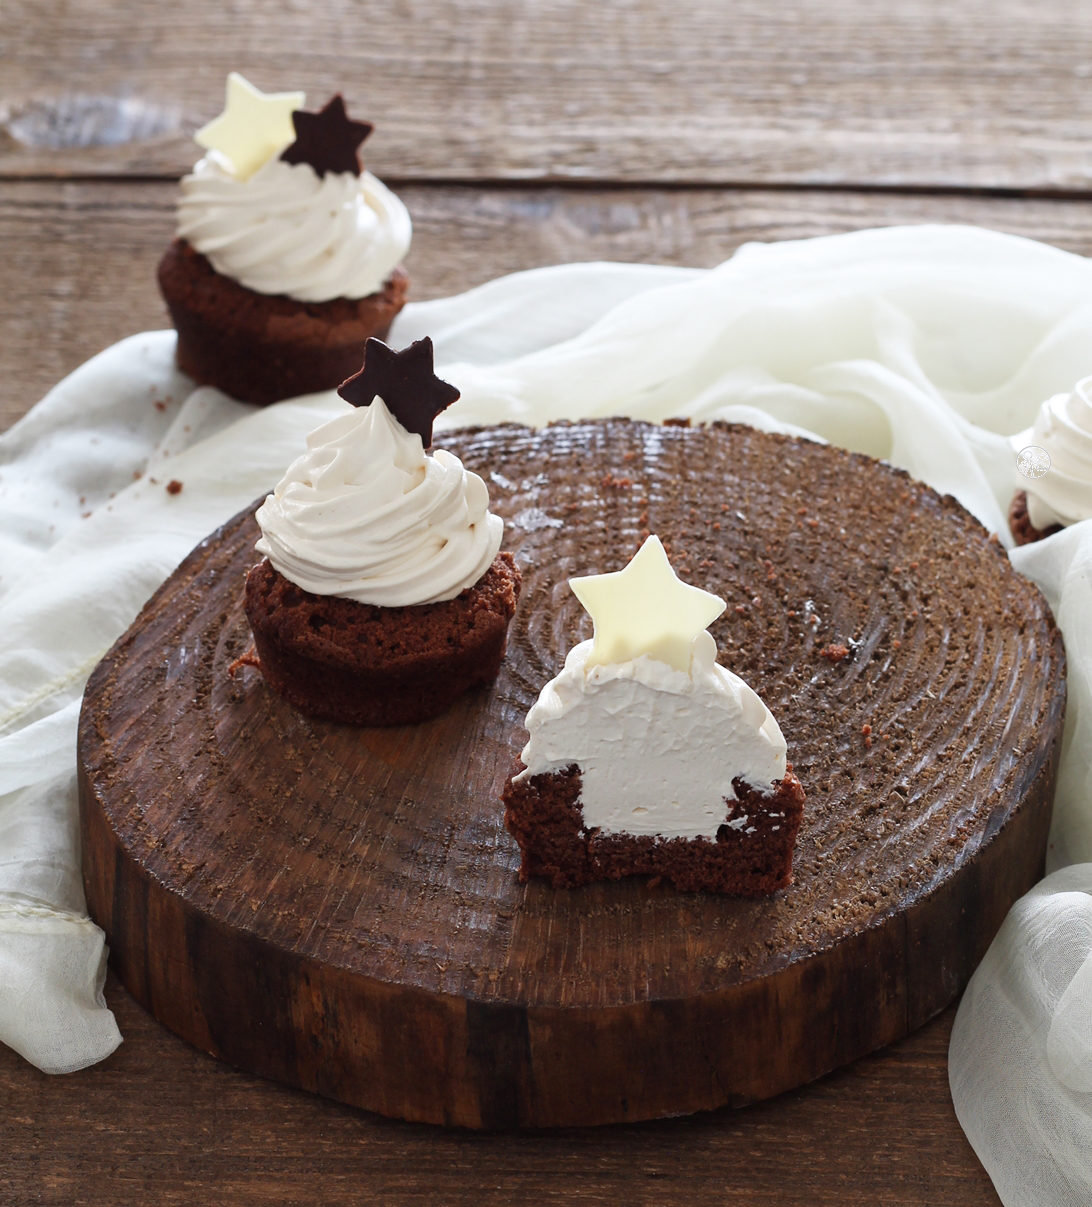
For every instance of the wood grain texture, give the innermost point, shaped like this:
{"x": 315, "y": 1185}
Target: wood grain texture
{"x": 338, "y": 907}
{"x": 987, "y": 93}
{"x": 159, "y": 1122}
{"x": 78, "y": 259}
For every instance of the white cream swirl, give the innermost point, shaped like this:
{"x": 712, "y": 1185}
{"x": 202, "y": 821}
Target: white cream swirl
{"x": 657, "y": 748}
{"x": 364, "y": 514}
{"x": 287, "y": 230}
{"x": 1064, "y": 428}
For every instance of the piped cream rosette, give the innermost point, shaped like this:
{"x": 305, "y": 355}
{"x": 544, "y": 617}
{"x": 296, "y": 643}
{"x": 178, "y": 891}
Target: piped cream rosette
{"x": 366, "y": 515}
{"x": 286, "y": 230}
{"x": 1063, "y": 427}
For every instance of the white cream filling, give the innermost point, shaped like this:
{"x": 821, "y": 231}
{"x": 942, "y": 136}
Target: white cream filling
{"x": 657, "y": 748}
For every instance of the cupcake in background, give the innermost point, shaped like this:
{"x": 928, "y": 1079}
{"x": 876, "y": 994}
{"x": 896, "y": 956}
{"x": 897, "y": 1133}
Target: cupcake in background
{"x": 1054, "y": 467}
{"x": 383, "y": 594}
{"x": 287, "y": 255}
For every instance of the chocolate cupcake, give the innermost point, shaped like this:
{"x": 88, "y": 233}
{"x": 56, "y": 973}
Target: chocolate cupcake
{"x": 367, "y": 665}
{"x": 1054, "y": 486}
{"x": 287, "y": 257}
{"x": 645, "y": 757}
{"x": 383, "y": 595}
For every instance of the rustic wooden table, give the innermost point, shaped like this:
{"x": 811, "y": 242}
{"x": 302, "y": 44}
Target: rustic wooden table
{"x": 519, "y": 133}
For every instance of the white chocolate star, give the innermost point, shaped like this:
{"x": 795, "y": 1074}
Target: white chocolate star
{"x": 253, "y": 127}
{"x": 645, "y": 609}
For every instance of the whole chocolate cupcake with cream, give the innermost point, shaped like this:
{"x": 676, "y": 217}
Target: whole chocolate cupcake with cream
{"x": 287, "y": 255}
{"x": 646, "y": 757}
{"x": 383, "y": 595}
{"x": 1054, "y": 465}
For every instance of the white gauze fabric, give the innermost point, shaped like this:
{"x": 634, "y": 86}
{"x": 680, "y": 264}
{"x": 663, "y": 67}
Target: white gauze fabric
{"x": 929, "y": 346}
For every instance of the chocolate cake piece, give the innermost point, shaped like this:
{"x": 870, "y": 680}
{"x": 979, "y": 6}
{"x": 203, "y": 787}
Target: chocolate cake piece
{"x": 367, "y": 665}
{"x": 1023, "y": 530}
{"x": 262, "y": 347}
{"x": 381, "y": 882}
{"x": 750, "y": 857}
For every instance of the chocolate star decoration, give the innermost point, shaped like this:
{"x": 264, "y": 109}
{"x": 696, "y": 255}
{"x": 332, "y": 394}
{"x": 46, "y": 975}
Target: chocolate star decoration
{"x": 327, "y": 140}
{"x": 405, "y": 381}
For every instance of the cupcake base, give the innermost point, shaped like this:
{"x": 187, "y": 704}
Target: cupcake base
{"x": 365, "y": 665}
{"x": 751, "y": 855}
{"x": 1020, "y": 525}
{"x": 261, "y": 347}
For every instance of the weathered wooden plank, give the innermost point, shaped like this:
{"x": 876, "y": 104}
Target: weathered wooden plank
{"x": 78, "y": 259}
{"x": 987, "y": 93}
{"x": 160, "y": 1122}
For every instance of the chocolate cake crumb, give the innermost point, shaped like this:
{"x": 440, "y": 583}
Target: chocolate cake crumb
{"x": 248, "y": 658}
{"x": 173, "y": 486}
{"x": 834, "y": 652}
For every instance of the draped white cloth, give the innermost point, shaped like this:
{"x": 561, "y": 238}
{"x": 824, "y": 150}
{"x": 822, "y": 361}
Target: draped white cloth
{"x": 930, "y": 346}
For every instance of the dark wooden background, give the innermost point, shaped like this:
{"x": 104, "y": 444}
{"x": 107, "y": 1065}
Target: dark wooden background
{"x": 519, "y": 133}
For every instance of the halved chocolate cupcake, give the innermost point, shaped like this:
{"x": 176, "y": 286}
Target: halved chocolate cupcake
{"x": 645, "y": 757}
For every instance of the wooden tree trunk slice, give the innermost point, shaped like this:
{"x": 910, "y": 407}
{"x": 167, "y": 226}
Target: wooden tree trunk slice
{"x": 338, "y": 908}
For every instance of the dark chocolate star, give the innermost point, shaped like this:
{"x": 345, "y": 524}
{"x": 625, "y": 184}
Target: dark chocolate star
{"x": 327, "y": 140}
{"x": 405, "y": 381}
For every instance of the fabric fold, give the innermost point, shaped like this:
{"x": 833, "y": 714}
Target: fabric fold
{"x": 53, "y": 968}
{"x": 1018, "y": 1062}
